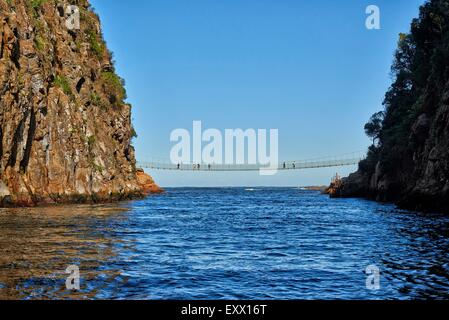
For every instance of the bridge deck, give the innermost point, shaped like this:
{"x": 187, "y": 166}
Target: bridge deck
{"x": 287, "y": 165}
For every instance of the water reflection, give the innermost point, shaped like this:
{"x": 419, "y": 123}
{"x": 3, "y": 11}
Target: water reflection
{"x": 226, "y": 243}
{"x": 37, "y": 245}
{"x": 419, "y": 263}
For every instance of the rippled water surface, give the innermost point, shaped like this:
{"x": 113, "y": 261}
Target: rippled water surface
{"x": 232, "y": 243}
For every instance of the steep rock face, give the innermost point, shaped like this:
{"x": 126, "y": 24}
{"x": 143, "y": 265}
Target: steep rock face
{"x": 409, "y": 165}
{"x": 65, "y": 130}
{"x": 421, "y": 178}
{"x": 147, "y": 183}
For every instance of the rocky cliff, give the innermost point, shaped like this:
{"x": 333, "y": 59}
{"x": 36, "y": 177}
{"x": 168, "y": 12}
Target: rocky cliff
{"x": 65, "y": 130}
{"x": 408, "y": 162}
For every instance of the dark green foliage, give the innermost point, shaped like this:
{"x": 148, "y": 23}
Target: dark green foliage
{"x": 420, "y": 71}
{"x": 369, "y": 164}
{"x": 133, "y": 133}
{"x": 115, "y": 86}
{"x": 374, "y": 126}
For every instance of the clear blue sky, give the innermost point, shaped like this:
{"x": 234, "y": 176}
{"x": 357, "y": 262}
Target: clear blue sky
{"x": 308, "y": 68}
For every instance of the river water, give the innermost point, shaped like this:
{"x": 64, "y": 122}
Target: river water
{"x": 225, "y": 243}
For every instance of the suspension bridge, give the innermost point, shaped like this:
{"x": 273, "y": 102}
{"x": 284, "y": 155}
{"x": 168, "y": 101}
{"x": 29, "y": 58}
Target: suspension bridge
{"x": 324, "y": 162}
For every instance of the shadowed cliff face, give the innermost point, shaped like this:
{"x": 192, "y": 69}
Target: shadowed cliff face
{"x": 65, "y": 130}
{"x": 409, "y": 164}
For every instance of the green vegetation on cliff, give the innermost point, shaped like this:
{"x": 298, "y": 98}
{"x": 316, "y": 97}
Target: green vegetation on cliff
{"x": 420, "y": 72}
{"x": 65, "y": 127}
{"x": 408, "y": 161}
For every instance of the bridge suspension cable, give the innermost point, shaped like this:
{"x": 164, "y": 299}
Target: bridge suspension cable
{"x": 324, "y": 162}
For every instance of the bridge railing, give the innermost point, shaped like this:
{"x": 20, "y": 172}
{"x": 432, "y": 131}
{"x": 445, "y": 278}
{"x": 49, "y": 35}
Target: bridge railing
{"x": 283, "y": 165}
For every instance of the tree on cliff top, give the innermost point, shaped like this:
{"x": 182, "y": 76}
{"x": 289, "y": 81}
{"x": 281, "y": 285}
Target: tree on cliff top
{"x": 420, "y": 70}
{"x": 374, "y": 126}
